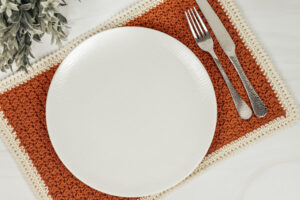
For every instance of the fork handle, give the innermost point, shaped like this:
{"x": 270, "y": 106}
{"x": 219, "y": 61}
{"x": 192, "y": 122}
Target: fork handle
{"x": 258, "y": 106}
{"x": 242, "y": 108}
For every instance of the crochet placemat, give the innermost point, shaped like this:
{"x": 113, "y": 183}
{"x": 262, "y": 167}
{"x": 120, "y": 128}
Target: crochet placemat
{"x": 23, "y": 97}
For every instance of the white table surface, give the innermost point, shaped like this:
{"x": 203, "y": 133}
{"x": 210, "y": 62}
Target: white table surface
{"x": 269, "y": 169}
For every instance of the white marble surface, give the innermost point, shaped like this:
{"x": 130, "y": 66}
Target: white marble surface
{"x": 269, "y": 169}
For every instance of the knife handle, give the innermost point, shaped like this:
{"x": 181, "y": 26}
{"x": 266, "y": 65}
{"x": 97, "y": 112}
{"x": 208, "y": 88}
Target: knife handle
{"x": 258, "y": 106}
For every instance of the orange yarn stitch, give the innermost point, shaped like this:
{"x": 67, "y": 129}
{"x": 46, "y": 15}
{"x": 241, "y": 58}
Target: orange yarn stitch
{"x": 24, "y": 105}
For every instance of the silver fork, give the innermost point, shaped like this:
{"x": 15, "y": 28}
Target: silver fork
{"x": 205, "y": 42}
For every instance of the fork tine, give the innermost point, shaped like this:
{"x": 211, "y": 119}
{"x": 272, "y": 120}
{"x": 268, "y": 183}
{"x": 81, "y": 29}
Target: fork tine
{"x": 197, "y": 22}
{"x": 190, "y": 25}
{"x": 201, "y": 21}
{"x": 194, "y": 25}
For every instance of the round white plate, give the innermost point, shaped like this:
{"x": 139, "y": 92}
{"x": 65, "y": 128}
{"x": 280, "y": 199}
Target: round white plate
{"x": 131, "y": 112}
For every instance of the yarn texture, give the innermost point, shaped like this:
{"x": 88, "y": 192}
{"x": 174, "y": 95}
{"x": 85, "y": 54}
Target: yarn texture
{"x": 23, "y": 97}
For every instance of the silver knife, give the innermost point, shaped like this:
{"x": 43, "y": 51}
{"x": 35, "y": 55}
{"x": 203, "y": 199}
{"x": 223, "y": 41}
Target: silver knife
{"x": 227, "y": 44}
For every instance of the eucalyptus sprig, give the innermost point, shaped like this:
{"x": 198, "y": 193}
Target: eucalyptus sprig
{"x": 25, "y": 21}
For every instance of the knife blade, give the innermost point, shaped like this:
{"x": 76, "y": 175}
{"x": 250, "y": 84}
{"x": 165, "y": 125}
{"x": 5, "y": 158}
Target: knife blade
{"x": 228, "y": 46}
{"x": 217, "y": 26}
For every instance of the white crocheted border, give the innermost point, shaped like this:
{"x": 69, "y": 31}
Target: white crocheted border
{"x": 26, "y": 165}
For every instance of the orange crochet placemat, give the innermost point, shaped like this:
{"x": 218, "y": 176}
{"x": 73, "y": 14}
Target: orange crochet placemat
{"x": 23, "y": 97}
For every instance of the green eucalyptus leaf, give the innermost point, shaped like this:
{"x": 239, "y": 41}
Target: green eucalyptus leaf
{"x": 29, "y": 18}
{"x": 27, "y": 40}
{"x": 36, "y": 37}
{"x": 26, "y": 6}
{"x": 13, "y": 6}
{"x": 16, "y": 45}
{"x": 61, "y": 18}
{"x": 8, "y": 12}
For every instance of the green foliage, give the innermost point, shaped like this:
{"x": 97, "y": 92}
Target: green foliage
{"x": 21, "y": 22}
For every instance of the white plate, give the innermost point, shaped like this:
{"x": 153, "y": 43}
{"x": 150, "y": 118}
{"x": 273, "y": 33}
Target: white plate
{"x": 131, "y": 112}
